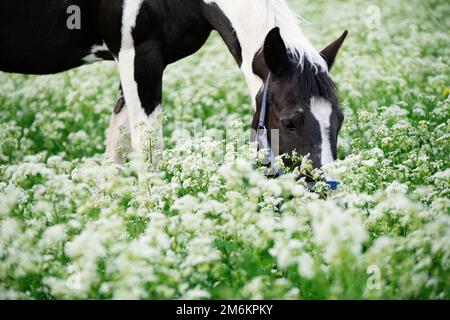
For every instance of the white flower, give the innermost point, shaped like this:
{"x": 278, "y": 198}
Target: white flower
{"x": 369, "y": 163}
{"x": 9, "y": 228}
{"x": 53, "y": 235}
{"x": 196, "y": 294}
{"x": 306, "y": 266}
{"x": 336, "y": 230}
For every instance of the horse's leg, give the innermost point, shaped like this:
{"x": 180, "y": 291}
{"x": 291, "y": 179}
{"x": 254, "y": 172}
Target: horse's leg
{"x": 118, "y": 143}
{"x": 141, "y": 72}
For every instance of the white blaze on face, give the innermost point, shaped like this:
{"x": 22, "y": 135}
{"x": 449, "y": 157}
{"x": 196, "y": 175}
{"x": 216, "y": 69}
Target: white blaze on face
{"x": 321, "y": 109}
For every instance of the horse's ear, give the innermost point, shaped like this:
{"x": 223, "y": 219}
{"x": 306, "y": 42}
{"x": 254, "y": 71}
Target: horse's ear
{"x": 275, "y": 52}
{"x": 330, "y": 52}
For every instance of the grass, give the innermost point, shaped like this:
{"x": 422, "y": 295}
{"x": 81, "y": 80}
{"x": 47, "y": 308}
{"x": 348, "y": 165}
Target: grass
{"x": 73, "y": 227}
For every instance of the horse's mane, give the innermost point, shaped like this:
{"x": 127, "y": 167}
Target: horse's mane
{"x": 289, "y": 24}
{"x": 253, "y": 19}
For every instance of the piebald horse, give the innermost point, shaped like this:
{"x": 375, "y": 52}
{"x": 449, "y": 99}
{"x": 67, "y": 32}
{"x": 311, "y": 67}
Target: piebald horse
{"x": 287, "y": 78}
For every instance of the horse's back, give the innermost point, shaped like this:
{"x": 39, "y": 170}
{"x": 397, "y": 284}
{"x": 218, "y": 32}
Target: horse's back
{"x": 35, "y": 37}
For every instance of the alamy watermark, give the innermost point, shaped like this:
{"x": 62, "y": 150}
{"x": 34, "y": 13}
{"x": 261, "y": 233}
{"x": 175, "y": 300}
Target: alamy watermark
{"x": 374, "y": 279}
{"x": 74, "y": 282}
{"x": 74, "y": 20}
{"x": 374, "y": 24}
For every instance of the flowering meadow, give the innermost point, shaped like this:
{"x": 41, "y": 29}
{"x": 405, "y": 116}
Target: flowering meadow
{"x": 73, "y": 226}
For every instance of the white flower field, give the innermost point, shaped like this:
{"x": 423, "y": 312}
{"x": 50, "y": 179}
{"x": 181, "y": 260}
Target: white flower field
{"x": 74, "y": 227}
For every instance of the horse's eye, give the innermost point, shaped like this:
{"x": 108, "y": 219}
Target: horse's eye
{"x": 289, "y": 124}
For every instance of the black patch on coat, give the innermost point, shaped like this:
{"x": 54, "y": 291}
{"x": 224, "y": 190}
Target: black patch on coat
{"x": 34, "y": 37}
{"x": 222, "y": 24}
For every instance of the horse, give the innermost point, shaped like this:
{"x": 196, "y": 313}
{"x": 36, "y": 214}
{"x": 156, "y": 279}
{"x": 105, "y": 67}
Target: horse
{"x": 288, "y": 80}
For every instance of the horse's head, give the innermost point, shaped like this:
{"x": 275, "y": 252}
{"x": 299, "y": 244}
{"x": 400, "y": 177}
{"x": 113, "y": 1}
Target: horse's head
{"x": 302, "y": 102}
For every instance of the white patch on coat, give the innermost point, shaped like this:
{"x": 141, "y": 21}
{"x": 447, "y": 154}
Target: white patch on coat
{"x": 253, "y": 19}
{"x": 321, "y": 109}
{"x": 118, "y": 144}
{"x": 92, "y": 56}
{"x": 127, "y": 54}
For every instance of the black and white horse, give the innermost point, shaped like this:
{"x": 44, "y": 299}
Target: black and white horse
{"x": 144, "y": 36}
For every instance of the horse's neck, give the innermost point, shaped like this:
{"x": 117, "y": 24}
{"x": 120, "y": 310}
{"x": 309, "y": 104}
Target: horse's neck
{"x": 251, "y": 21}
{"x": 249, "y": 32}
